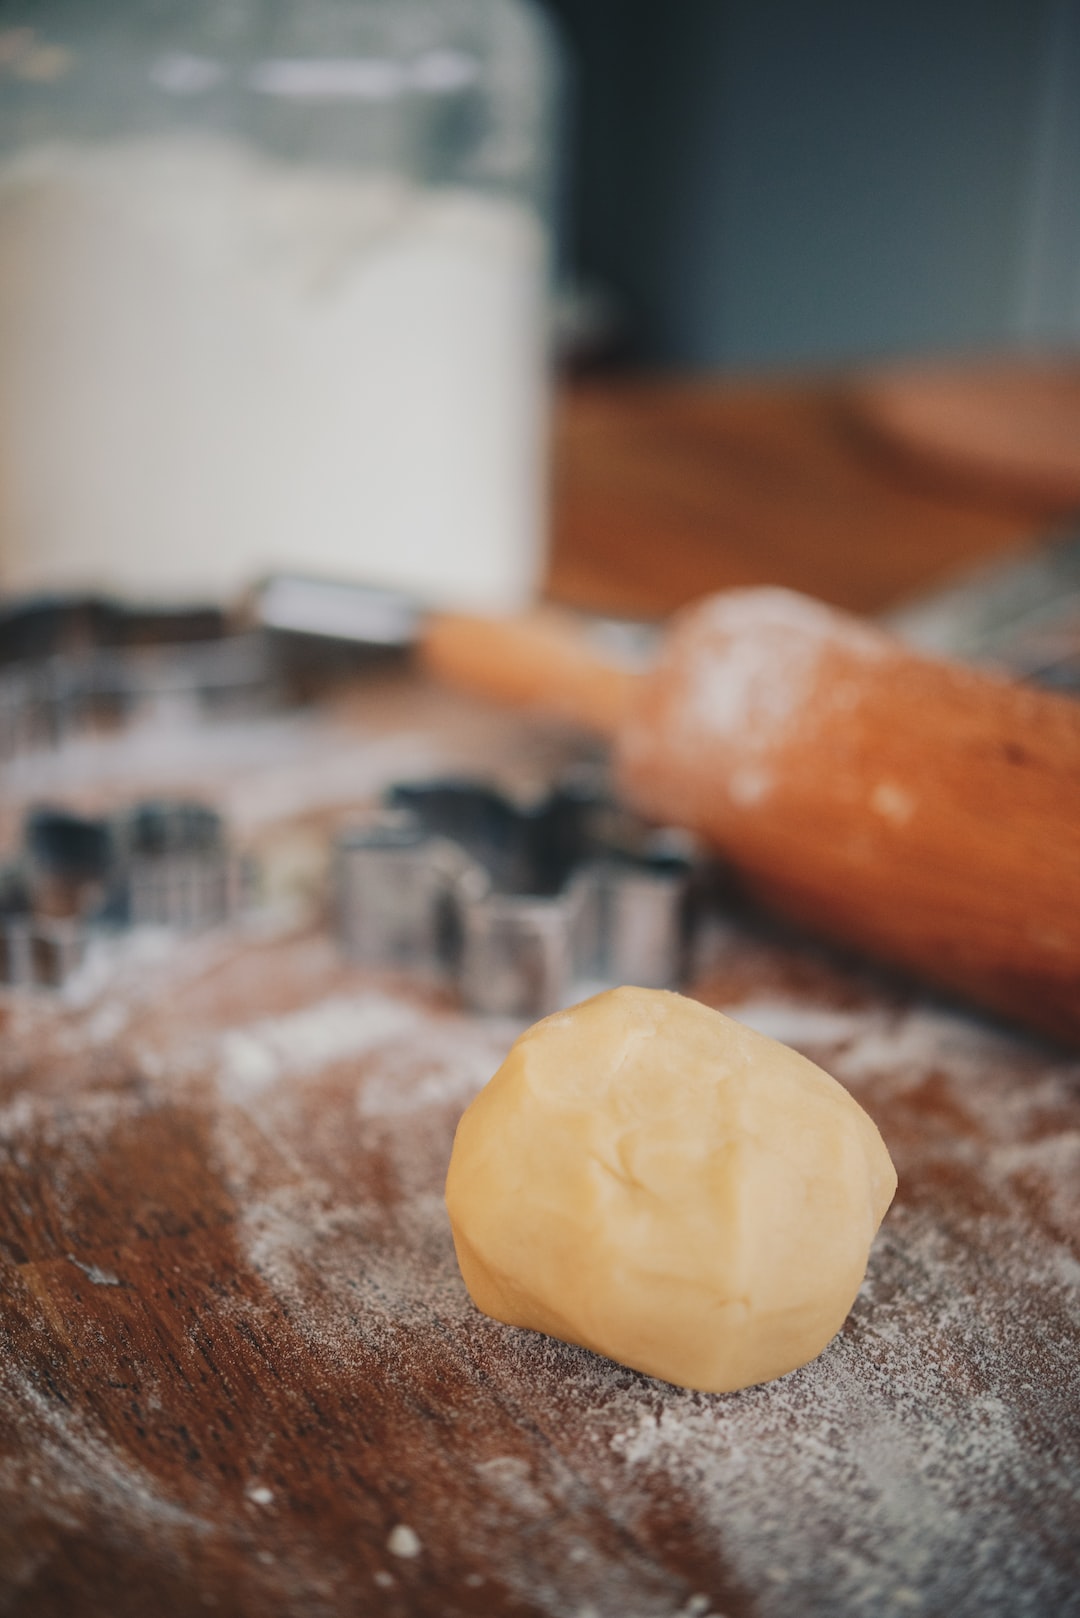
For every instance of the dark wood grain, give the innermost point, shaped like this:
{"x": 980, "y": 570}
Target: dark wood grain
{"x": 666, "y": 491}
{"x": 235, "y": 1352}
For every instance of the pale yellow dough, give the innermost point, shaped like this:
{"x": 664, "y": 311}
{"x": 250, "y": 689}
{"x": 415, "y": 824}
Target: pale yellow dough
{"x": 657, "y": 1182}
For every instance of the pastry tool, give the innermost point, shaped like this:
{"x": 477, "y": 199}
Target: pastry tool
{"x": 888, "y": 799}
{"x": 513, "y": 906}
{"x": 72, "y": 665}
{"x": 160, "y": 863}
{"x": 885, "y": 797}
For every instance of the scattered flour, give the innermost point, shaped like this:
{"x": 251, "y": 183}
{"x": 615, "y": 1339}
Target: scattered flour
{"x": 449, "y": 1060}
{"x": 256, "y": 771}
{"x": 906, "y": 1044}
{"x": 928, "y": 1461}
{"x": 795, "y": 1024}
{"x": 893, "y": 1470}
{"x": 511, "y": 1477}
{"x": 72, "y": 1463}
{"x": 404, "y": 1542}
{"x": 95, "y": 1274}
{"x": 896, "y": 1474}
{"x": 254, "y": 1057}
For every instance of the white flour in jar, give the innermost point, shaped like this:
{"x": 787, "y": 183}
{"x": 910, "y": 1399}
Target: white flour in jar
{"x": 213, "y": 366}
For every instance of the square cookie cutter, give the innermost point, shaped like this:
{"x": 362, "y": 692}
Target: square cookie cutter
{"x": 159, "y": 863}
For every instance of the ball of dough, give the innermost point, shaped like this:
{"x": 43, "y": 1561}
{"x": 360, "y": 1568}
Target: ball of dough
{"x": 657, "y": 1182}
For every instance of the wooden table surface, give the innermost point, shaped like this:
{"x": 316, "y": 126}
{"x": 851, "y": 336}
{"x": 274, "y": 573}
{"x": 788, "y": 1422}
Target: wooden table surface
{"x": 665, "y": 491}
{"x": 238, "y": 1369}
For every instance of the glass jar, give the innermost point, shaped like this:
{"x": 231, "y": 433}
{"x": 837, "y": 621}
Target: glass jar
{"x": 273, "y": 296}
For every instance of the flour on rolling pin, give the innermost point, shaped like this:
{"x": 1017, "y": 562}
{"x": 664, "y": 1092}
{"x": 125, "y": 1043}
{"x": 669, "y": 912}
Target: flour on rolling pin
{"x": 217, "y": 366}
{"x": 751, "y": 691}
{"x": 918, "y": 810}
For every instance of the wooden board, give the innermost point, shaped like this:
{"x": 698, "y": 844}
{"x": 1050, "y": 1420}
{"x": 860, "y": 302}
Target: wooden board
{"x": 237, "y": 1360}
{"x": 666, "y": 490}
{"x": 1007, "y": 430}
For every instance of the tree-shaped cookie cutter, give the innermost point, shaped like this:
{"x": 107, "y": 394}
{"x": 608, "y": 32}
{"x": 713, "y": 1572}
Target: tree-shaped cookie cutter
{"x": 517, "y": 907}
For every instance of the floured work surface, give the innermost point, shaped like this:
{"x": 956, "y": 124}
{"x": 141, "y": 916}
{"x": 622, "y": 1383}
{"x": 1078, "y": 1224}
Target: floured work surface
{"x": 240, "y": 1372}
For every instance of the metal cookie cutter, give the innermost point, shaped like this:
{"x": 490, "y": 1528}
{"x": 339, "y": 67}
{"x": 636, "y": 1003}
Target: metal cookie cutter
{"x": 70, "y": 665}
{"x": 515, "y": 906}
{"x": 175, "y": 866}
{"x": 163, "y": 864}
{"x": 35, "y": 947}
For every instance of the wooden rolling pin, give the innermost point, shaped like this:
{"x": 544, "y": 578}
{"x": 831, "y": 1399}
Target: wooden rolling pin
{"x": 925, "y": 812}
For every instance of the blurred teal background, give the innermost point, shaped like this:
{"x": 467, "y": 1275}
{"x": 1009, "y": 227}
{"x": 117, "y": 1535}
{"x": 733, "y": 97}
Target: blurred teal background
{"x": 773, "y": 183}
